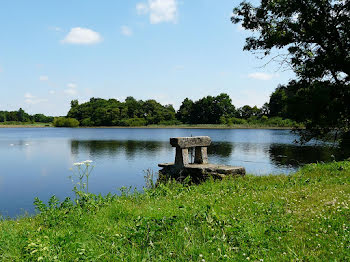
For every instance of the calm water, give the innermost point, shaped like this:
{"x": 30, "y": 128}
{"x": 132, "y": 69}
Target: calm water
{"x": 36, "y": 162}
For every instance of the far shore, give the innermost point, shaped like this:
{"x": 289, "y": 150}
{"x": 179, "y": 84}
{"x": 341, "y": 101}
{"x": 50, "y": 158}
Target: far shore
{"x": 159, "y": 127}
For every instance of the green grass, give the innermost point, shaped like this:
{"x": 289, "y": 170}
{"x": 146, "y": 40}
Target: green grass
{"x": 303, "y": 217}
{"x": 23, "y": 124}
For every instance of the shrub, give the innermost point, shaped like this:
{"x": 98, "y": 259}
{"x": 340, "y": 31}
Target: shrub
{"x": 133, "y": 122}
{"x": 236, "y": 121}
{"x": 87, "y": 122}
{"x": 65, "y": 122}
{"x": 170, "y": 123}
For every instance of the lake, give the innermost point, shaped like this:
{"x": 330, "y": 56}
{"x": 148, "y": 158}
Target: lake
{"x": 36, "y": 162}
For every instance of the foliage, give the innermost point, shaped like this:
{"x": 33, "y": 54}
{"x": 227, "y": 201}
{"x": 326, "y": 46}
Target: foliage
{"x": 101, "y": 112}
{"x": 314, "y": 41}
{"x": 65, "y": 122}
{"x": 301, "y": 217}
{"x": 207, "y": 110}
{"x": 21, "y": 116}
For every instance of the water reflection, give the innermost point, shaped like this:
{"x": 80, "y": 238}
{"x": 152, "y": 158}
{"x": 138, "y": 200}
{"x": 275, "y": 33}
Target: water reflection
{"x": 221, "y": 149}
{"x": 36, "y": 162}
{"x": 283, "y": 155}
{"x": 131, "y": 148}
{"x": 296, "y": 156}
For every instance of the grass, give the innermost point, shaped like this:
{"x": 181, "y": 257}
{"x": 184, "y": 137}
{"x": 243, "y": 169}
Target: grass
{"x": 302, "y": 217}
{"x": 23, "y": 124}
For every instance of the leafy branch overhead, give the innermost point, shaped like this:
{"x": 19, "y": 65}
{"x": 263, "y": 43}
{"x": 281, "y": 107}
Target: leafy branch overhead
{"x": 314, "y": 37}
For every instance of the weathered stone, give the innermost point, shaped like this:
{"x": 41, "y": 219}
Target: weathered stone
{"x": 201, "y": 155}
{"x": 181, "y": 157}
{"x": 199, "y": 172}
{"x": 187, "y": 142}
{"x": 201, "y": 169}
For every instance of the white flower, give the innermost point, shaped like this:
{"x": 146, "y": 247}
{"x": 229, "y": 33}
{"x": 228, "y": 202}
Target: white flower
{"x": 77, "y": 164}
{"x": 87, "y": 161}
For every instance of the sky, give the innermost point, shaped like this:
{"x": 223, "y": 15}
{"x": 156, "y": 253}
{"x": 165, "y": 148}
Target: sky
{"x": 52, "y": 52}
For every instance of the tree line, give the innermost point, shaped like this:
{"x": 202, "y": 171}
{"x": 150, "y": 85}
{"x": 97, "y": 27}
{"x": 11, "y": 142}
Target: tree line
{"x": 208, "y": 110}
{"x": 22, "y": 116}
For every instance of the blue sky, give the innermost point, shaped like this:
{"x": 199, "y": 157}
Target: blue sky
{"x": 52, "y": 52}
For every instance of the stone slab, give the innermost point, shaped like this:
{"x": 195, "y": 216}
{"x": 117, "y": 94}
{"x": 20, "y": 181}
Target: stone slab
{"x": 208, "y": 168}
{"x": 186, "y": 142}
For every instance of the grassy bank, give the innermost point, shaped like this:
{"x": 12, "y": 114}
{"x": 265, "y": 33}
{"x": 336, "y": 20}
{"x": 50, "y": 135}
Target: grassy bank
{"x": 204, "y": 126}
{"x": 159, "y": 126}
{"x": 274, "y": 218}
{"x": 23, "y": 124}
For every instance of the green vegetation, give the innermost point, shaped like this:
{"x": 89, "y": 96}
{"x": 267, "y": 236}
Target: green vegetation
{"x": 313, "y": 40}
{"x": 65, "y": 122}
{"x": 303, "y": 217}
{"x": 21, "y": 117}
{"x": 101, "y": 112}
{"x": 209, "y": 110}
{"x": 24, "y": 124}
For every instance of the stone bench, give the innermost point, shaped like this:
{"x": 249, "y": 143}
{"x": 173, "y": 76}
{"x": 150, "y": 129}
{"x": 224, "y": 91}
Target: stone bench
{"x": 200, "y": 169}
{"x": 182, "y": 144}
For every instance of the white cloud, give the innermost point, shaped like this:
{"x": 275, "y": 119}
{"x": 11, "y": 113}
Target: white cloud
{"x": 28, "y": 95}
{"x": 125, "y": 30}
{"x": 35, "y": 101}
{"x": 83, "y": 36}
{"x": 262, "y": 76}
{"x": 72, "y": 85}
{"x": 159, "y": 10}
{"x": 70, "y": 92}
{"x": 43, "y": 78}
{"x": 30, "y": 99}
{"x": 142, "y": 8}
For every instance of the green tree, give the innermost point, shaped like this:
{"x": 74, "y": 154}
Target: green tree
{"x": 313, "y": 39}
{"x": 278, "y": 102}
{"x": 208, "y": 110}
{"x": 185, "y": 111}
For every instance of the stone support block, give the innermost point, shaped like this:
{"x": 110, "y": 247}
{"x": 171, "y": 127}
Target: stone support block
{"x": 201, "y": 155}
{"x": 181, "y": 157}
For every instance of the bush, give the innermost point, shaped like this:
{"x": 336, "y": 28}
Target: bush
{"x": 87, "y": 122}
{"x": 236, "y": 121}
{"x": 65, "y": 122}
{"x": 170, "y": 123}
{"x": 133, "y": 122}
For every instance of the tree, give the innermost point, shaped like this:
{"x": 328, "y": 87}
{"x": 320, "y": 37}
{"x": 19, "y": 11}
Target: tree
{"x": 208, "y": 110}
{"x": 278, "y": 102}
{"x": 314, "y": 40}
{"x": 185, "y": 111}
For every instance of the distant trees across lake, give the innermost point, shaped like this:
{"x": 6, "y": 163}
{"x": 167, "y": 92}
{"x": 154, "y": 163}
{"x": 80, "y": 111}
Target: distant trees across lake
{"x": 22, "y": 117}
{"x": 208, "y": 110}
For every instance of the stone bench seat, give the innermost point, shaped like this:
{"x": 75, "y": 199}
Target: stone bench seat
{"x": 200, "y": 169}
{"x": 187, "y": 142}
{"x": 182, "y": 144}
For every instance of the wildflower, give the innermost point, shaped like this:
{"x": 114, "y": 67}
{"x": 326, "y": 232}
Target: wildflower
{"x": 77, "y": 164}
{"x": 87, "y": 161}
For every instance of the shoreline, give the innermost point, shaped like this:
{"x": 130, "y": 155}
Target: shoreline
{"x": 248, "y": 212}
{"x": 158, "y": 127}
